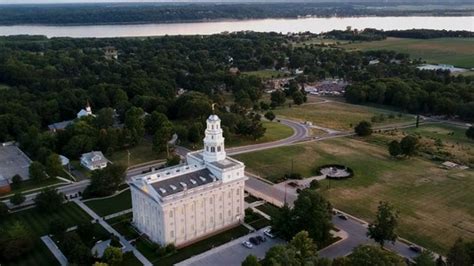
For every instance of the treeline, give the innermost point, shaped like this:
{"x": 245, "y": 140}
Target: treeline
{"x": 377, "y": 35}
{"x": 153, "y": 13}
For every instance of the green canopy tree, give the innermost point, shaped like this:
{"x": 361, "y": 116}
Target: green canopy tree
{"x": 408, "y": 145}
{"x": 113, "y": 256}
{"x": 370, "y": 255}
{"x": 53, "y": 165}
{"x": 383, "y": 228}
{"x": 394, "y": 148}
{"x": 17, "y": 198}
{"x": 17, "y": 241}
{"x": 37, "y": 171}
{"x": 251, "y": 260}
{"x": 363, "y": 129}
{"x": 49, "y": 200}
{"x": 470, "y": 132}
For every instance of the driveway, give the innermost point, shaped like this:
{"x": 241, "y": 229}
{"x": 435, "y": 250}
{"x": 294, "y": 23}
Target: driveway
{"x": 232, "y": 253}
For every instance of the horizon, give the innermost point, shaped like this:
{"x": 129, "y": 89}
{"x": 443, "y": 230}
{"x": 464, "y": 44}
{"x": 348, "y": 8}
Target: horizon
{"x": 42, "y": 2}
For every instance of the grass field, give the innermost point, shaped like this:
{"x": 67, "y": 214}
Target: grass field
{"x": 38, "y": 223}
{"x": 453, "y": 51}
{"x": 444, "y": 142}
{"x": 435, "y": 204}
{"x": 192, "y": 250}
{"x": 265, "y": 74}
{"x": 118, "y": 203}
{"x": 275, "y": 131}
{"x": 318, "y": 41}
{"x": 138, "y": 154}
{"x": 337, "y": 115}
{"x": 32, "y": 184}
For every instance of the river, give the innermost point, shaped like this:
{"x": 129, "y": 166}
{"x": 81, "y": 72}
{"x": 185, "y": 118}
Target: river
{"x": 315, "y": 25}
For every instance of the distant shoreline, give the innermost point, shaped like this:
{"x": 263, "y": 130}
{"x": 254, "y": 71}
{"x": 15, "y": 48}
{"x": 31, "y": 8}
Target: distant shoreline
{"x": 138, "y": 23}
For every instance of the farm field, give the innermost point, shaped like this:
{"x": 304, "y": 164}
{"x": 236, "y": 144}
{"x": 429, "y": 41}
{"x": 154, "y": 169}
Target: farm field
{"x": 454, "y": 51}
{"x": 118, "y": 203}
{"x": 434, "y": 203}
{"x": 38, "y": 224}
{"x": 337, "y": 115}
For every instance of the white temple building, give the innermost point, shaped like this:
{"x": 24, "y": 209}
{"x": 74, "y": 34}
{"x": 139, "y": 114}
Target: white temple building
{"x": 188, "y": 202}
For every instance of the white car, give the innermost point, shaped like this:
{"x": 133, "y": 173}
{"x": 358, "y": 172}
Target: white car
{"x": 247, "y": 244}
{"x": 268, "y": 233}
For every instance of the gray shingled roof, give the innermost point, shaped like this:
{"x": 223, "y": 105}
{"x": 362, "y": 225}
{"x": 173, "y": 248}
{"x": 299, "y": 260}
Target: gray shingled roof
{"x": 186, "y": 181}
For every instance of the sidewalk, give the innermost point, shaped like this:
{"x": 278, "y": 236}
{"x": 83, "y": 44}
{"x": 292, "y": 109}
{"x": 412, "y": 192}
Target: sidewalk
{"x": 55, "y": 250}
{"x": 110, "y": 229}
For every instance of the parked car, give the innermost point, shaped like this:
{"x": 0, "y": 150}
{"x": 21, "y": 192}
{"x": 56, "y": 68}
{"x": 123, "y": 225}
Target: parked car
{"x": 268, "y": 233}
{"x": 261, "y": 239}
{"x": 342, "y": 216}
{"x": 416, "y": 248}
{"x": 247, "y": 244}
{"x": 254, "y": 241}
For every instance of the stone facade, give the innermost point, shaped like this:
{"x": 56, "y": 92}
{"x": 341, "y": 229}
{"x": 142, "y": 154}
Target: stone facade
{"x": 190, "y": 201}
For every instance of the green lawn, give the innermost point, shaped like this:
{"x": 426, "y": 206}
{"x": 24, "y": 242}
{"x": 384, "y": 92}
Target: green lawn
{"x": 265, "y": 74}
{"x": 435, "y": 204}
{"x": 268, "y": 209}
{"x": 38, "y": 223}
{"x": 275, "y": 131}
{"x": 453, "y": 51}
{"x": 317, "y": 41}
{"x": 118, "y": 203}
{"x": 31, "y": 184}
{"x": 138, "y": 154}
{"x": 337, "y": 115}
{"x": 192, "y": 250}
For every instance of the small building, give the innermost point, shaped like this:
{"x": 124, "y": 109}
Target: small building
{"x": 13, "y": 161}
{"x": 234, "y": 70}
{"x": 110, "y": 53}
{"x": 94, "y": 160}
{"x": 85, "y": 112}
{"x": 60, "y": 125}
{"x": 374, "y": 62}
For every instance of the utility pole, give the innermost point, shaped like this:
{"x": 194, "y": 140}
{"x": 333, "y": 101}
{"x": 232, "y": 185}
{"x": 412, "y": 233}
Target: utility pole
{"x": 417, "y": 121}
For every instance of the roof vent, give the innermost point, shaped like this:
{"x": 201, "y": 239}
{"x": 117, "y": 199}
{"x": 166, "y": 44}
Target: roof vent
{"x": 203, "y": 179}
{"x": 193, "y": 181}
{"x": 173, "y": 187}
{"x": 183, "y": 184}
{"x": 162, "y": 190}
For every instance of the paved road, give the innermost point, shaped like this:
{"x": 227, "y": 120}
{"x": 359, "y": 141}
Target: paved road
{"x": 110, "y": 229}
{"x": 231, "y": 253}
{"x": 357, "y": 235}
{"x": 301, "y": 133}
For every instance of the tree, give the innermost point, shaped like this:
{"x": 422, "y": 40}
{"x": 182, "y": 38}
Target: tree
{"x": 174, "y": 159}
{"x": 283, "y": 223}
{"x": 53, "y": 165}
{"x": 298, "y": 97}
{"x": 311, "y": 212}
{"x": 16, "y": 179}
{"x": 363, "y": 129}
{"x": 458, "y": 254}
{"x": 18, "y": 241}
{"x": 251, "y": 260}
{"x": 105, "y": 181}
{"x": 163, "y": 134}
{"x": 470, "y": 132}
{"x": 383, "y": 228}
{"x": 280, "y": 255}
{"x": 3, "y": 210}
{"x": 49, "y": 200}
{"x": 394, "y": 148}
{"x": 408, "y": 145}
{"x": 370, "y": 255}
{"x": 105, "y": 118}
{"x": 270, "y": 115}
{"x": 278, "y": 98}
{"x": 134, "y": 122}
{"x": 113, "y": 256}
{"x": 426, "y": 258}
{"x": 37, "y": 171}
{"x": 314, "y": 184}
{"x": 304, "y": 246}
{"x": 57, "y": 227}
{"x": 17, "y": 198}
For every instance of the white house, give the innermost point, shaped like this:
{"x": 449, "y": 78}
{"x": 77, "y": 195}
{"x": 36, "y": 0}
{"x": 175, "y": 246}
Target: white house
{"x": 94, "y": 160}
{"x": 191, "y": 201}
{"x": 85, "y": 112}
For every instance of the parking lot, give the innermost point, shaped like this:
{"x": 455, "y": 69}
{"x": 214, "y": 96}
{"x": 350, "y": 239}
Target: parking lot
{"x": 13, "y": 161}
{"x": 233, "y": 253}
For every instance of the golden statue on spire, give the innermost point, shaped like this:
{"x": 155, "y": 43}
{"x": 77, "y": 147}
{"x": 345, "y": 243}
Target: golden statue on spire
{"x": 213, "y": 108}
